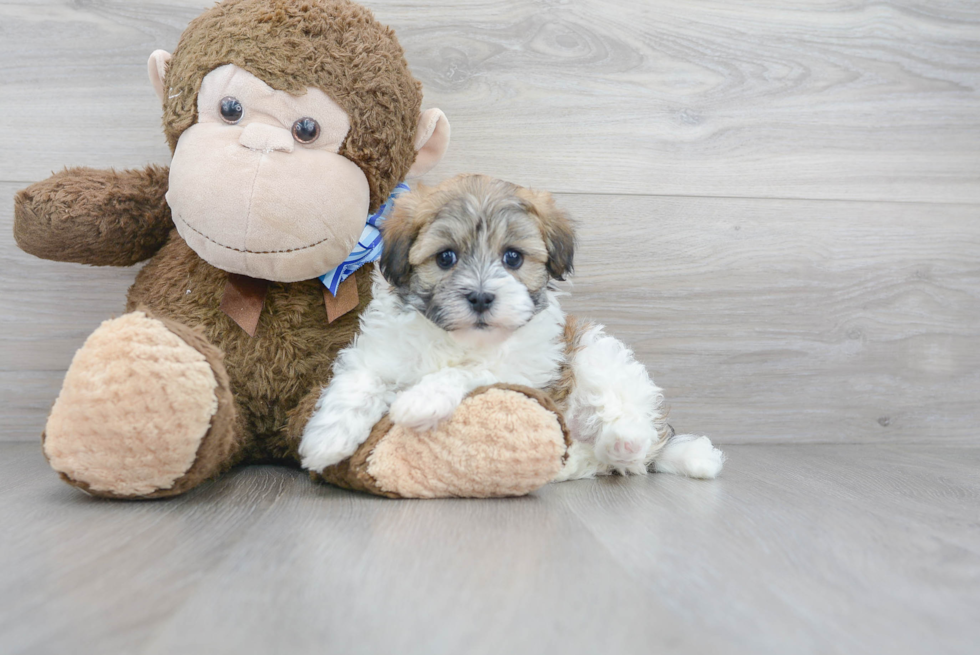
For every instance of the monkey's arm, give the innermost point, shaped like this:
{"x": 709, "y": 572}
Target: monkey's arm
{"x": 97, "y": 217}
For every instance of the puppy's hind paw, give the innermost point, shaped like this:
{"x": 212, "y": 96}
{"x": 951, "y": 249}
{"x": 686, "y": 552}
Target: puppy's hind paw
{"x": 421, "y": 410}
{"x": 690, "y": 455}
{"x": 625, "y": 448}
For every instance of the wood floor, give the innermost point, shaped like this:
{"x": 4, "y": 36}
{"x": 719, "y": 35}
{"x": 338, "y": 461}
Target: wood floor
{"x": 796, "y": 549}
{"x": 779, "y": 208}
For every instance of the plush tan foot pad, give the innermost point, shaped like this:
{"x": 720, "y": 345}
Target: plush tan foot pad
{"x": 136, "y": 403}
{"x": 500, "y": 442}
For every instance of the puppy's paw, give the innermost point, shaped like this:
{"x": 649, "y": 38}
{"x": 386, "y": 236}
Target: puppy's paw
{"x": 422, "y": 409}
{"x": 625, "y": 446}
{"x": 690, "y": 455}
{"x": 580, "y": 462}
{"x": 327, "y": 441}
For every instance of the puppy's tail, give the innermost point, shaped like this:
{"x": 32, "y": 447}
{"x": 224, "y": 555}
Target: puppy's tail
{"x": 690, "y": 455}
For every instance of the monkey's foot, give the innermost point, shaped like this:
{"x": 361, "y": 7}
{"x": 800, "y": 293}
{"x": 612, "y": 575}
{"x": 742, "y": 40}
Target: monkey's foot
{"x": 501, "y": 441}
{"x": 145, "y": 411}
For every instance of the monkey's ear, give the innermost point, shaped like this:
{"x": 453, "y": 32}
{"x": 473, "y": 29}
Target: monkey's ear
{"x": 157, "y": 68}
{"x": 556, "y": 228}
{"x": 431, "y": 141}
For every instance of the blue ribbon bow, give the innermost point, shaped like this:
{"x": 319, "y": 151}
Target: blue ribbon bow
{"x": 369, "y": 245}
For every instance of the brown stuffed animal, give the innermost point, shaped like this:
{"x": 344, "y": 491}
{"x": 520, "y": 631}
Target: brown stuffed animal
{"x": 290, "y": 122}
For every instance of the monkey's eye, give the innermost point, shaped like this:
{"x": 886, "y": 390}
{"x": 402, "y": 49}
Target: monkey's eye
{"x": 513, "y": 259}
{"x": 446, "y": 259}
{"x": 231, "y": 110}
{"x": 306, "y": 130}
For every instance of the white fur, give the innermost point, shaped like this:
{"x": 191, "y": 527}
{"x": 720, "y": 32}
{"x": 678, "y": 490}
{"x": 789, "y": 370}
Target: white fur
{"x": 512, "y": 309}
{"x": 690, "y": 455}
{"x": 403, "y": 361}
{"x": 615, "y": 406}
{"x": 403, "y": 364}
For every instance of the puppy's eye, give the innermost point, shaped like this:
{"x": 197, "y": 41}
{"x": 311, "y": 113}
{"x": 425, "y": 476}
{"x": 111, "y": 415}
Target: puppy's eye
{"x": 446, "y": 259}
{"x": 306, "y": 130}
{"x": 231, "y": 110}
{"x": 513, "y": 259}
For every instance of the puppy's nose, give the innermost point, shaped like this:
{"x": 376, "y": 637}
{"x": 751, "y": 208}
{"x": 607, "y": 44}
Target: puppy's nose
{"x": 266, "y": 138}
{"x": 480, "y": 301}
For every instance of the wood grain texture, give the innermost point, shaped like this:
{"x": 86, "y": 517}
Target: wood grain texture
{"x": 793, "y": 320}
{"x": 809, "y": 549}
{"x": 852, "y": 100}
{"x": 764, "y": 320}
{"x": 796, "y": 549}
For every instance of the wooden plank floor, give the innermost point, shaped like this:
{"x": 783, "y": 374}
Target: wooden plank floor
{"x": 797, "y": 549}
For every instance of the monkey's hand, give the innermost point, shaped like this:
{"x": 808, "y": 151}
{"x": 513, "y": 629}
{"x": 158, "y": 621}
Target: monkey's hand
{"x": 97, "y": 217}
{"x": 504, "y": 440}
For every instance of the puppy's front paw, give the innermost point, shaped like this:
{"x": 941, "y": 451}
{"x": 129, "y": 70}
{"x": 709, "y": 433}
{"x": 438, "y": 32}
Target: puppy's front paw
{"x": 625, "y": 446}
{"x": 327, "y": 441}
{"x": 422, "y": 409}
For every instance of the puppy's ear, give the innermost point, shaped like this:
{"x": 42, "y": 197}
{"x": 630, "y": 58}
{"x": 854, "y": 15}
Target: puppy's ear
{"x": 399, "y": 232}
{"x": 556, "y": 228}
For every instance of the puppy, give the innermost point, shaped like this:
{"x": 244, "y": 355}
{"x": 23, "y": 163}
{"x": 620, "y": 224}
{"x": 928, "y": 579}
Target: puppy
{"x": 465, "y": 298}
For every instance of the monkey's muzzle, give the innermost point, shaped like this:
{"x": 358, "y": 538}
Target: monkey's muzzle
{"x": 247, "y": 205}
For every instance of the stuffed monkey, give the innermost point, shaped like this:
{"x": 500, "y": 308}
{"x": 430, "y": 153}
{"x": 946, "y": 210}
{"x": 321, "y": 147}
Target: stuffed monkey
{"x": 292, "y": 123}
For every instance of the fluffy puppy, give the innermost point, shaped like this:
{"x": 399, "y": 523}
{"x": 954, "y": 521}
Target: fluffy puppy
{"x": 465, "y": 298}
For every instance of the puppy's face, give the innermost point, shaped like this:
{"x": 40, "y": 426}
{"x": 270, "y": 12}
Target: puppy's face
{"x": 476, "y": 253}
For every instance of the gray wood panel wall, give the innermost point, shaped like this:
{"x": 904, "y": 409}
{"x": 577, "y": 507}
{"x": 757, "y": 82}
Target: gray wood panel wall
{"x": 779, "y": 202}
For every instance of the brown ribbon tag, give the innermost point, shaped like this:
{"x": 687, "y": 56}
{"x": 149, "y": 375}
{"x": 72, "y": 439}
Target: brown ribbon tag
{"x": 243, "y": 300}
{"x": 345, "y": 300}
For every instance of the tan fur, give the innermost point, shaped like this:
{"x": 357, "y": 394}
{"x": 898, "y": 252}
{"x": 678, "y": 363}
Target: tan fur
{"x": 223, "y": 445}
{"x": 353, "y": 473}
{"x": 502, "y": 443}
{"x": 556, "y": 227}
{"x": 416, "y": 465}
{"x": 104, "y": 433}
{"x": 562, "y": 388}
